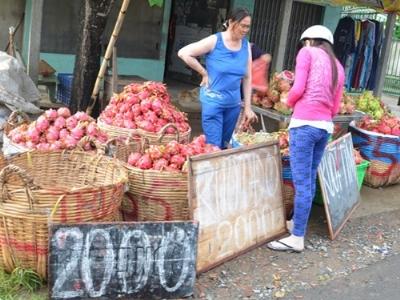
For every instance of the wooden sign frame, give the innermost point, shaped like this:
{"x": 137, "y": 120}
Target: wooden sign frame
{"x": 333, "y": 233}
{"x": 245, "y": 187}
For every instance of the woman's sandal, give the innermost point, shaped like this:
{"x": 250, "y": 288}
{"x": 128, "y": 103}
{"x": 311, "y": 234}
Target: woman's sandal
{"x": 278, "y": 245}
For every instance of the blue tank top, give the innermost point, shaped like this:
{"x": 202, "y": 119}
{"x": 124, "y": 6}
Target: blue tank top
{"x": 226, "y": 69}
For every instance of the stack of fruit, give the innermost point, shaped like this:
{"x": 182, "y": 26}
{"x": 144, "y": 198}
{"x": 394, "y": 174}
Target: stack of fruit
{"x": 387, "y": 124}
{"x": 171, "y": 157}
{"x": 146, "y": 107}
{"x": 347, "y": 105}
{"x": 371, "y": 105}
{"x": 58, "y": 129}
{"x": 279, "y": 87}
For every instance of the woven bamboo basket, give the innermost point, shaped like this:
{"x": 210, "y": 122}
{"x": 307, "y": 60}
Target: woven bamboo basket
{"x": 382, "y": 174}
{"x": 154, "y": 138}
{"x": 120, "y": 148}
{"x": 3, "y": 163}
{"x": 159, "y": 195}
{"x": 287, "y": 186}
{"x": 114, "y": 131}
{"x": 154, "y": 195}
{"x": 288, "y": 196}
{"x": 383, "y": 151}
{"x": 39, "y": 188}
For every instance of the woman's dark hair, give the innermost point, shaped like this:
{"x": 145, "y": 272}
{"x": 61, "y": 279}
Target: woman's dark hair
{"x": 327, "y": 47}
{"x": 237, "y": 15}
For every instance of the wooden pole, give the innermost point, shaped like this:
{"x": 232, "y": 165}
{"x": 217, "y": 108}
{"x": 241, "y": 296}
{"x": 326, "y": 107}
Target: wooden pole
{"x": 114, "y": 71}
{"x": 10, "y": 46}
{"x": 107, "y": 55}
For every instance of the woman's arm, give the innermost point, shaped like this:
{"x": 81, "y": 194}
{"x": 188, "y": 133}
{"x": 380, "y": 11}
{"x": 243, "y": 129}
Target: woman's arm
{"x": 303, "y": 61}
{"x": 246, "y": 88}
{"x": 189, "y": 53}
{"x": 246, "y": 84}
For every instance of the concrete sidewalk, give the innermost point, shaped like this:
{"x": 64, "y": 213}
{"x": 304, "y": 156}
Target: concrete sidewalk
{"x": 378, "y": 281}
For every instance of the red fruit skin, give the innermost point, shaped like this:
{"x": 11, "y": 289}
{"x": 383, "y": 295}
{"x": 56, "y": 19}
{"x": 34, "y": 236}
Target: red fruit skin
{"x": 178, "y": 160}
{"x": 396, "y": 131}
{"x": 133, "y": 158}
{"x": 384, "y": 129}
{"x": 160, "y": 164}
{"x": 145, "y": 162}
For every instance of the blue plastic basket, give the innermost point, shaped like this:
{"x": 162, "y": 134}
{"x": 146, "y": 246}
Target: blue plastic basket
{"x": 64, "y": 87}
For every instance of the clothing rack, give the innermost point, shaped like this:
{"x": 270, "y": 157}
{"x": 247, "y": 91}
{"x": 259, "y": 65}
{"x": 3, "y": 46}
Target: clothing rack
{"x": 358, "y": 13}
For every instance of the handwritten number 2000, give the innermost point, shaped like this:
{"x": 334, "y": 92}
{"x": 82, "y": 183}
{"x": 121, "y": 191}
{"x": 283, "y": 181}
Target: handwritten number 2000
{"x": 144, "y": 261}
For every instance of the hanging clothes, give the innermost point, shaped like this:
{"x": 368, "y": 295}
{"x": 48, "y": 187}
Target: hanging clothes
{"x": 344, "y": 38}
{"x": 357, "y": 45}
{"x": 368, "y": 54}
{"x": 379, "y": 37}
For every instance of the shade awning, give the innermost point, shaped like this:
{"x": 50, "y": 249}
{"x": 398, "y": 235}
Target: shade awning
{"x": 383, "y": 5}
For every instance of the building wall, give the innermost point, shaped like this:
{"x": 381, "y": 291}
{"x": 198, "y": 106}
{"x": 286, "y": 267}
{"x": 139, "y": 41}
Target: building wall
{"x": 152, "y": 69}
{"x": 249, "y": 4}
{"x": 331, "y": 17}
{"x": 11, "y": 12}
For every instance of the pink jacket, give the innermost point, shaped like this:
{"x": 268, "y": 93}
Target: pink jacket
{"x": 311, "y": 95}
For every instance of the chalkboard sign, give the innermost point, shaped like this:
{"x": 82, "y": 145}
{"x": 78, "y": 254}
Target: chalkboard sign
{"x": 338, "y": 180}
{"x": 236, "y": 195}
{"x": 135, "y": 260}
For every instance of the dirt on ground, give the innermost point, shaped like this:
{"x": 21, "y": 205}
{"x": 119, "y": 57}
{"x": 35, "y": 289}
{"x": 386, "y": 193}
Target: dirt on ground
{"x": 266, "y": 274}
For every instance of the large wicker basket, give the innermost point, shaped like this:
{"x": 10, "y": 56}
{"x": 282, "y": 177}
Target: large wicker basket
{"x": 58, "y": 187}
{"x": 154, "y": 138}
{"x": 158, "y": 195}
{"x": 383, "y": 152}
{"x": 153, "y": 195}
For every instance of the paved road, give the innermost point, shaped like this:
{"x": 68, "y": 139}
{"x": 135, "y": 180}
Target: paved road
{"x": 378, "y": 281}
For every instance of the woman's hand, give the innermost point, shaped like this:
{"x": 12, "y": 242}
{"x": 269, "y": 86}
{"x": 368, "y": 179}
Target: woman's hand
{"x": 283, "y": 99}
{"x": 249, "y": 116}
{"x": 204, "y": 80}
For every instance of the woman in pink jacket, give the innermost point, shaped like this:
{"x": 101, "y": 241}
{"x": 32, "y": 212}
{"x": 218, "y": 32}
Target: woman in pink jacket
{"x": 315, "y": 98}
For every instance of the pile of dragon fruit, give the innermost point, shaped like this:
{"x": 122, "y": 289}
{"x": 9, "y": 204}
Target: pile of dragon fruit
{"x": 171, "y": 157}
{"x": 56, "y": 130}
{"x": 387, "y": 124}
{"x": 144, "y": 106}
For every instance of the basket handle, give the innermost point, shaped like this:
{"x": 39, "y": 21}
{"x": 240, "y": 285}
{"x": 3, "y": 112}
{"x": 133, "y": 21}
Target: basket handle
{"x": 15, "y": 119}
{"x": 163, "y": 133}
{"x": 144, "y": 144}
{"x": 25, "y": 178}
{"x": 93, "y": 142}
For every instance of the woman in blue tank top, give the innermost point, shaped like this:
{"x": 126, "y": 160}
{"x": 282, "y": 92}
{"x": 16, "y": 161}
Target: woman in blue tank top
{"x": 228, "y": 64}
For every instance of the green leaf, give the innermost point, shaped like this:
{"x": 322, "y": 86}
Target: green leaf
{"x": 156, "y": 2}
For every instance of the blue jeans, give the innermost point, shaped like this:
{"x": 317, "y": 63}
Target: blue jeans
{"x": 306, "y": 146}
{"x": 219, "y": 123}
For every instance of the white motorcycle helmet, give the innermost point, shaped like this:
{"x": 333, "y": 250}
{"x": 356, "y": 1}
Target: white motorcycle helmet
{"x": 318, "y": 32}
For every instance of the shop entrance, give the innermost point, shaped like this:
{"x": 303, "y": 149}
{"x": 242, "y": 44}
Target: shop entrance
{"x": 190, "y": 21}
